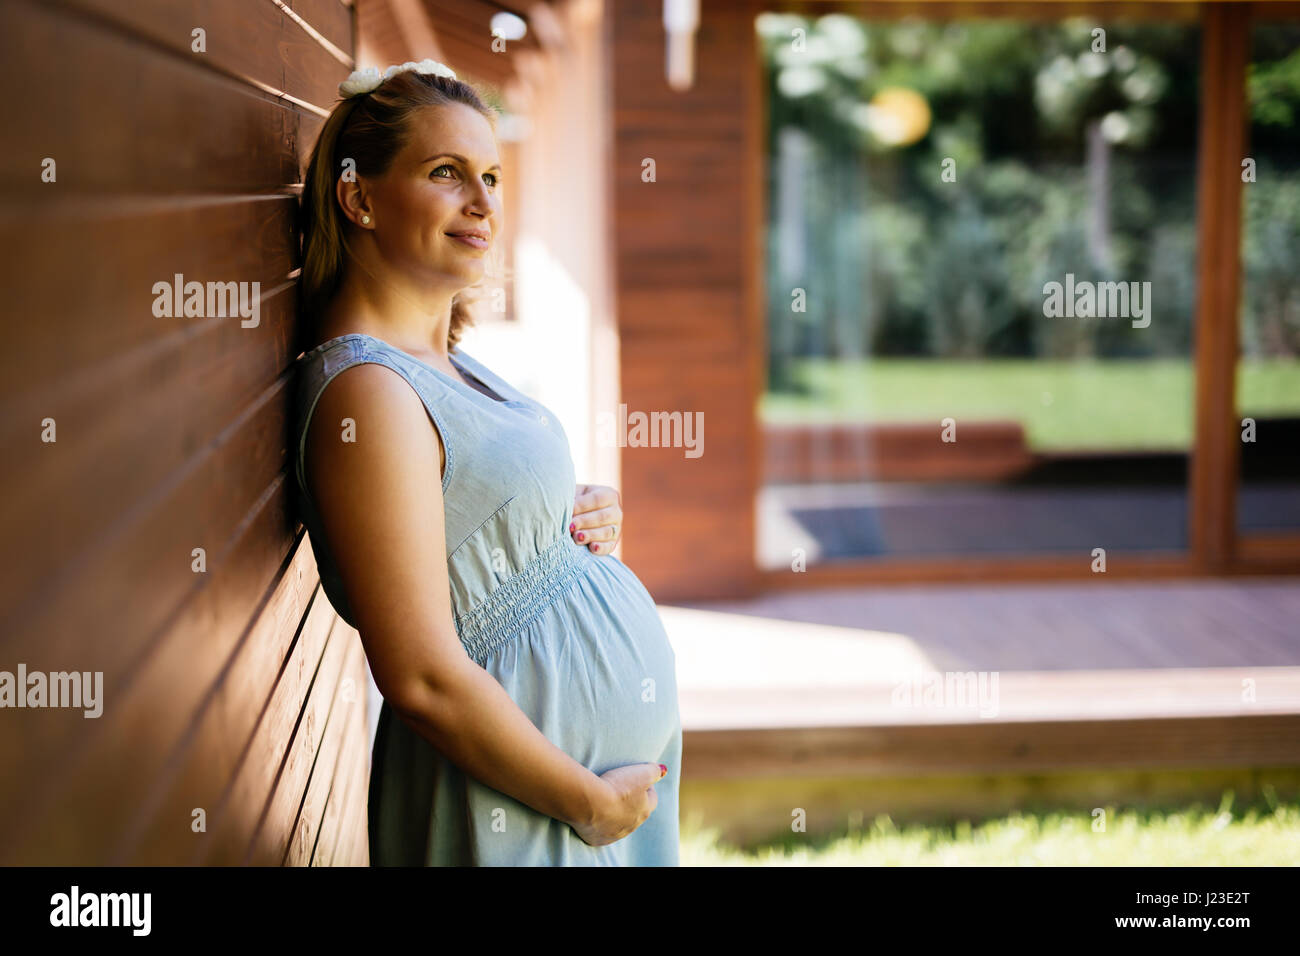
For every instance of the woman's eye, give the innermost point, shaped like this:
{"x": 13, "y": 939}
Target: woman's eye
{"x": 495, "y": 180}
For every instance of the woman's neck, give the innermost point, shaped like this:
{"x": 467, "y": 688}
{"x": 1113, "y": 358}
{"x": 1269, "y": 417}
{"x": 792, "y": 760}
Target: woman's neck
{"x": 368, "y": 306}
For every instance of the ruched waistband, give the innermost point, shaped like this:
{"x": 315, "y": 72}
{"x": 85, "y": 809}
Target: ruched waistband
{"x": 520, "y": 599}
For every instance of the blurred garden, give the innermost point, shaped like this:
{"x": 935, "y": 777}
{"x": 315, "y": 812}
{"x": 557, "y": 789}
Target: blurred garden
{"x": 927, "y": 179}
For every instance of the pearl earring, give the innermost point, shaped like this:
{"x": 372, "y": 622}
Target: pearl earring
{"x": 365, "y": 220}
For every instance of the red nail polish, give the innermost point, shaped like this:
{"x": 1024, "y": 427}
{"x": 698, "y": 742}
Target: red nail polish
{"x": 665, "y": 771}
{"x": 572, "y": 525}
{"x": 581, "y": 536}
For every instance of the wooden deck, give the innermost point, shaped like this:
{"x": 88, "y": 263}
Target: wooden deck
{"x": 1088, "y": 625}
{"x": 911, "y": 519}
{"x": 1068, "y": 694}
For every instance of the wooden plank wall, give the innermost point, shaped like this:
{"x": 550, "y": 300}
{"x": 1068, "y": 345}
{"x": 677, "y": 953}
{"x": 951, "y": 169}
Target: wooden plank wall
{"x": 233, "y": 725}
{"x": 687, "y": 254}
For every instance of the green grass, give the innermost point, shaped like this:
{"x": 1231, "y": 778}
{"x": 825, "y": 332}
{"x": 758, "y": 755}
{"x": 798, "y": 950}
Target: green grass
{"x": 1105, "y": 404}
{"x": 1264, "y": 834}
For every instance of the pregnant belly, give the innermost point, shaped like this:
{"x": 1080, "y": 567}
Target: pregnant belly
{"x": 596, "y": 672}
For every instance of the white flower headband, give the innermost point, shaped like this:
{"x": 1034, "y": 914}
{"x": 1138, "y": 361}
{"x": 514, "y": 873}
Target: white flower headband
{"x": 363, "y": 81}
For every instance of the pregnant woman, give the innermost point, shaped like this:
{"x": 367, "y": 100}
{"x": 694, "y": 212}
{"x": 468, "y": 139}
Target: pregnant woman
{"x": 530, "y": 697}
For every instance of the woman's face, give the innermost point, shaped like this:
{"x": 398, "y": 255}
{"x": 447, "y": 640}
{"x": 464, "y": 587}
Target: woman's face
{"x": 445, "y": 180}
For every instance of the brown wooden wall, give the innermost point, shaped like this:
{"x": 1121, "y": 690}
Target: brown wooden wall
{"x": 233, "y": 696}
{"x": 687, "y": 254}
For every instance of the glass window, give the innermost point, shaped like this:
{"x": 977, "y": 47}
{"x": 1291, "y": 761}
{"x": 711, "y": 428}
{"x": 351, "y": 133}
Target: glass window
{"x": 1268, "y": 369}
{"x": 981, "y": 262}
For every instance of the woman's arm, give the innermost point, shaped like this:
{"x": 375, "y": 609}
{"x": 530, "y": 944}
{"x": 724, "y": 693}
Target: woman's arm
{"x": 380, "y": 502}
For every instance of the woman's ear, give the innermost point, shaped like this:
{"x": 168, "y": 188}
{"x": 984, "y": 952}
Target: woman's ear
{"x": 353, "y": 201}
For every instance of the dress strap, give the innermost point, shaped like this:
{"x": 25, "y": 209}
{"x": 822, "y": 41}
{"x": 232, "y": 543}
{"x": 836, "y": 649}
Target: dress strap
{"x": 322, "y": 365}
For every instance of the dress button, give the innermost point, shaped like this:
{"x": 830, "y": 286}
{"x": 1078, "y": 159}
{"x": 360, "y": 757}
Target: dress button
{"x": 545, "y": 420}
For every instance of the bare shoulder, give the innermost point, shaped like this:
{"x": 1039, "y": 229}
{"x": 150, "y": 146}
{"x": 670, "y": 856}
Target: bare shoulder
{"x": 366, "y": 415}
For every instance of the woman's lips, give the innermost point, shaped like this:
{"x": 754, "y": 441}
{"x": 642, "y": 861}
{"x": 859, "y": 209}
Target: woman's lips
{"x": 474, "y": 241}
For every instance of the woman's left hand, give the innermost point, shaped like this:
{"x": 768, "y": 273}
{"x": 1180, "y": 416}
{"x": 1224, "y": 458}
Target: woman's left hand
{"x": 597, "y": 517}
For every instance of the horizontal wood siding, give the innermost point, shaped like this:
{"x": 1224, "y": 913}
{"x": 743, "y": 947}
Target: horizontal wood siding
{"x": 234, "y": 721}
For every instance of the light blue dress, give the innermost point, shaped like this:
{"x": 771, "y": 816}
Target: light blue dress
{"x": 573, "y": 637}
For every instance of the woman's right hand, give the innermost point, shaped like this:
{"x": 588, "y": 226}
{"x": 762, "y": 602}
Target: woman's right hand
{"x": 629, "y": 799}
